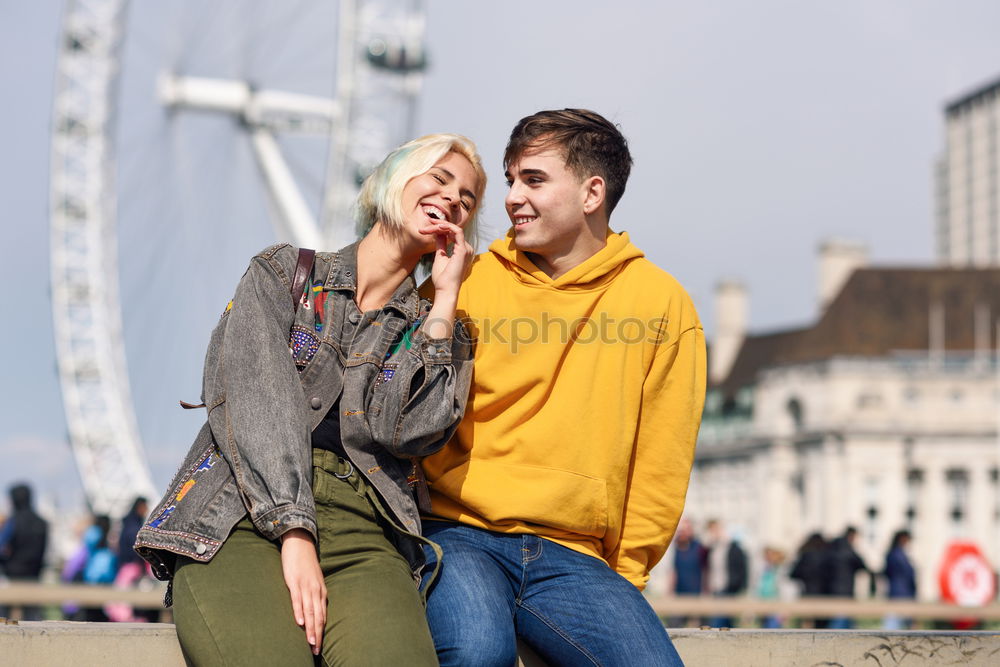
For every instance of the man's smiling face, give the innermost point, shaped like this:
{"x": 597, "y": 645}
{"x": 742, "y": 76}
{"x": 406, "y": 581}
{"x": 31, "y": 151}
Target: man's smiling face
{"x": 545, "y": 202}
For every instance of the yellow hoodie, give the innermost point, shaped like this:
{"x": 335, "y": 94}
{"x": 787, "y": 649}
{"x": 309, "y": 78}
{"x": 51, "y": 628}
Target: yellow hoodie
{"x": 584, "y": 409}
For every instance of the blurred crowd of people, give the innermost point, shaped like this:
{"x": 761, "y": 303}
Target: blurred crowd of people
{"x": 830, "y": 567}
{"x": 104, "y": 556}
{"x": 718, "y": 565}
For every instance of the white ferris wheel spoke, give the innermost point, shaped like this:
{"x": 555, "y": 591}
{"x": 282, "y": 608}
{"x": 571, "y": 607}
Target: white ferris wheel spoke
{"x": 264, "y": 112}
{"x": 272, "y": 109}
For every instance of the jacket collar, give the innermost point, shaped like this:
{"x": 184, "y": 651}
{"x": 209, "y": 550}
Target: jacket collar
{"x": 343, "y": 276}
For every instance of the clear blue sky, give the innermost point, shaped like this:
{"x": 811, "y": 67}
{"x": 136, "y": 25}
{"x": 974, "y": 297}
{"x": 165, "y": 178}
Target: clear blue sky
{"x": 758, "y": 129}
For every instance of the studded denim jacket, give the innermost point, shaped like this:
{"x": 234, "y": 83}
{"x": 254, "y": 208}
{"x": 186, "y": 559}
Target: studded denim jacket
{"x": 401, "y": 395}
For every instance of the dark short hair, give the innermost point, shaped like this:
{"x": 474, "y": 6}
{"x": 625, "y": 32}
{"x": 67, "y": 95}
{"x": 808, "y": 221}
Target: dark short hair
{"x": 590, "y": 143}
{"x": 20, "y": 496}
{"x": 900, "y": 535}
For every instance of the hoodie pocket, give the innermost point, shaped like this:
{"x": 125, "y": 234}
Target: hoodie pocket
{"x": 505, "y": 494}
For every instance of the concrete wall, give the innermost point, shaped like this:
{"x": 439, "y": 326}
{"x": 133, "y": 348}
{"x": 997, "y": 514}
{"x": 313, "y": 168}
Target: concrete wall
{"x": 802, "y": 648}
{"x": 45, "y": 643}
{"x": 155, "y": 645}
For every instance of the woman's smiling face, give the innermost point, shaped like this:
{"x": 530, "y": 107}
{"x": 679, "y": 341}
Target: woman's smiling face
{"x": 446, "y": 191}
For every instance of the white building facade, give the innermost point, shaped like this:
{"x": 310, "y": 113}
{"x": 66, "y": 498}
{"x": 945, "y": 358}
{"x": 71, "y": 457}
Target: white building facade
{"x": 880, "y": 444}
{"x": 882, "y": 416}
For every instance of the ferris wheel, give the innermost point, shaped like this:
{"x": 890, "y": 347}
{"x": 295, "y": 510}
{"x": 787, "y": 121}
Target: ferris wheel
{"x": 186, "y": 136}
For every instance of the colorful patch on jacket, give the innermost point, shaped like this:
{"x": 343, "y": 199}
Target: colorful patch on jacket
{"x": 303, "y": 345}
{"x": 165, "y": 513}
{"x": 319, "y": 296}
{"x": 406, "y": 342}
{"x": 207, "y": 463}
{"x": 163, "y": 516}
{"x": 184, "y": 489}
{"x": 384, "y": 376}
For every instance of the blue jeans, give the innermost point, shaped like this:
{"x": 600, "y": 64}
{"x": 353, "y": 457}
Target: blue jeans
{"x": 571, "y": 608}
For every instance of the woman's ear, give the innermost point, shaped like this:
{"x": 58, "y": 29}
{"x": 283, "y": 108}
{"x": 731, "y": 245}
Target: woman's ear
{"x": 594, "y": 194}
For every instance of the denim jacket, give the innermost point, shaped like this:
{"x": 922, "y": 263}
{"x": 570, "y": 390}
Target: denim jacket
{"x": 401, "y": 395}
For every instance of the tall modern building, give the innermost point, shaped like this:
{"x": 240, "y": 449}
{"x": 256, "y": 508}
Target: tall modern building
{"x": 968, "y": 180}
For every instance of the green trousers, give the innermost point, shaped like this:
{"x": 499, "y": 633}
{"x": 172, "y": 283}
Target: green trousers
{"x": 236, "y": 609}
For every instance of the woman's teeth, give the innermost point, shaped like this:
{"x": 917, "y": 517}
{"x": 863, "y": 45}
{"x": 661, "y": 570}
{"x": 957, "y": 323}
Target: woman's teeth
{"x": 433, "y": 212}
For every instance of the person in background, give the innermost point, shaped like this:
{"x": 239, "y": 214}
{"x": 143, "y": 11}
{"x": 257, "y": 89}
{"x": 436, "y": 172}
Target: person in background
{"x": 94, "y": 562}
{"x": 131, "y": 523}
{"x": 689, "y": 565}
{"x": 23, "y": 540}
{"x": 102, "y": 565}
{"x": 810, "y": 570}
{"x": 842, "y": 564}
{"x": 131, "y": 567}
{"x": 728, "y": 571}
{"x": 689, "y": 560}
{"x": 902, "y": 578}
{"x": 768, "y": 586}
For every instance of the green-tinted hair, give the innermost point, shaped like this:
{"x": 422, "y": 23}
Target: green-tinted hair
{"x": 381, "y": 196}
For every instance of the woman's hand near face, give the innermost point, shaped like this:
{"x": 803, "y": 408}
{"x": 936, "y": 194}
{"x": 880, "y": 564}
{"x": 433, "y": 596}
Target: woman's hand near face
{"x": 448, "y": 271}
{"x": 447, "y": 274}
{"x": 304, "y": 578}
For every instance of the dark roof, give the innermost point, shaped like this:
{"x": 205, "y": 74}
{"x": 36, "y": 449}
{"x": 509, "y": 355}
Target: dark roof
{"x": 980, "y": 91}
{"x": 878, "y": 312}
{"x": 756, "y": 352}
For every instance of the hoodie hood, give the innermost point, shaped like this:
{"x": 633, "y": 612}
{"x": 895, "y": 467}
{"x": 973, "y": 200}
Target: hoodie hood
{"x": 593, "y": 272}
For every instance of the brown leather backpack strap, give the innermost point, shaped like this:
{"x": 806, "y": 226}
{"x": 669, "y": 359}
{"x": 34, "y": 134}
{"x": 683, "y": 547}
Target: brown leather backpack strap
{"x": 302, "y": 270}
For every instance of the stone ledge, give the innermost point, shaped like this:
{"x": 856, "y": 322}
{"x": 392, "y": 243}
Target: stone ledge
{"x": 847, "y": 648}
{"x": 44, "y": 643}
{"x": 155, "y": 645}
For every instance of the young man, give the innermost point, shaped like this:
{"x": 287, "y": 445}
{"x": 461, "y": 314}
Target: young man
{"x": 567, "y": 476}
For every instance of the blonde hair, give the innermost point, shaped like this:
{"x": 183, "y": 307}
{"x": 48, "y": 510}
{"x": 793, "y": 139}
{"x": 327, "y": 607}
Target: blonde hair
{"x": 381, "y": 195}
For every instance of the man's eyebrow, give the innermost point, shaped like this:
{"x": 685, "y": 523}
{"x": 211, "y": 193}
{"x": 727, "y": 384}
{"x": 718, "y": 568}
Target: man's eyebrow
{"x": 466, "y": 192}
{"x": 526, "y": 172}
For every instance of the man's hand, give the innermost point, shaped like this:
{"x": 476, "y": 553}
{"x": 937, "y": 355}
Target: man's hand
{"x": 304, "y": 579}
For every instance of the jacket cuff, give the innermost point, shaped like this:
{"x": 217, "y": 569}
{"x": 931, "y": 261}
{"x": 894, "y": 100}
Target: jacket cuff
{"x": 275, "y": 523}
{"x": 433, "y": 350}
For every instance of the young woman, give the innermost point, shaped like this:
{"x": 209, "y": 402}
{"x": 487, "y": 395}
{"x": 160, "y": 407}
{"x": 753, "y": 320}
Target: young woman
{"x": 292, "y": 525}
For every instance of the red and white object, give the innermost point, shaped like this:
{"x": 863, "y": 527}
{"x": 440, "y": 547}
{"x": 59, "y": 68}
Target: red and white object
{"x": 966, "y": 577}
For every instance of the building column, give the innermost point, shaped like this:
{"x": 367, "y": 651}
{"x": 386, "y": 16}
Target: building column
{"x": 835, "y": 486}
{"x": 980, "y": 510}
{"x": 932, "y": 530}
{"x": 892, "y": 501}
{"x": 780, "y": 520}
